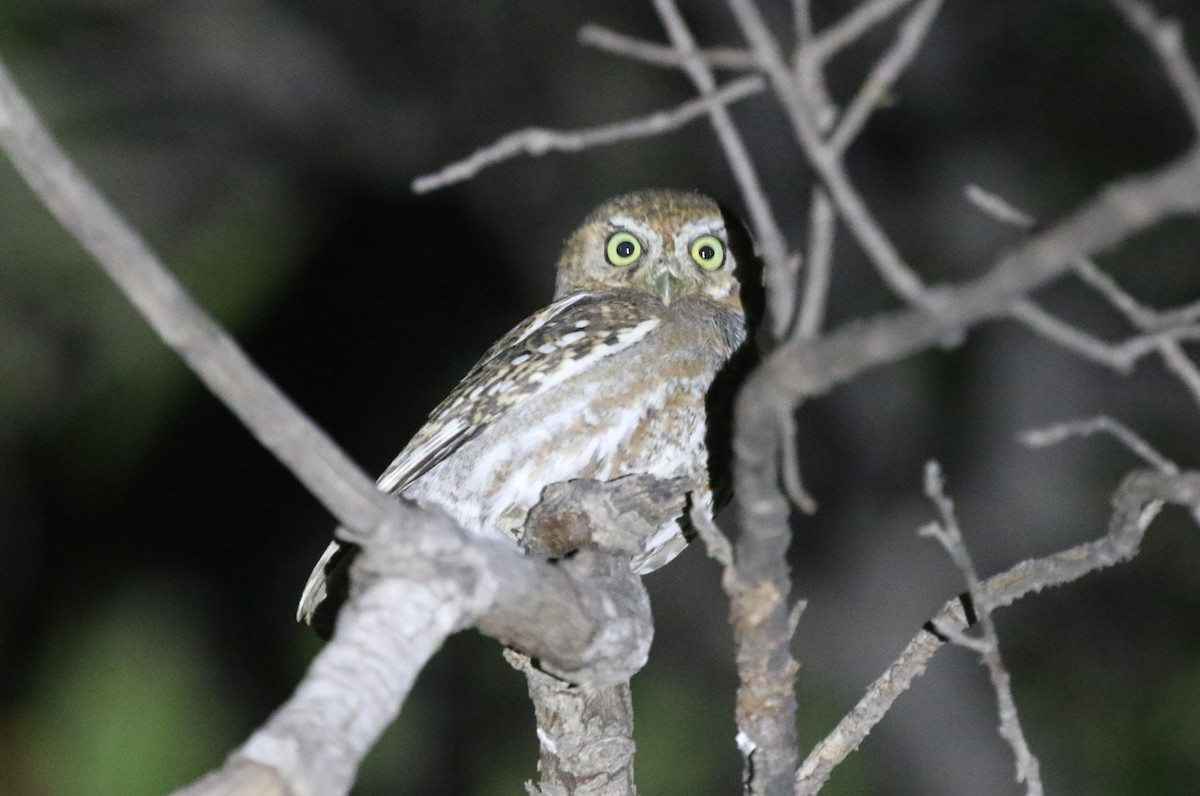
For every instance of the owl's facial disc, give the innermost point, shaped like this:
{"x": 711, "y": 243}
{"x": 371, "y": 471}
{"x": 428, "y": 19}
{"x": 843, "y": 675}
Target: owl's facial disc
{"x": 672, "y": 245}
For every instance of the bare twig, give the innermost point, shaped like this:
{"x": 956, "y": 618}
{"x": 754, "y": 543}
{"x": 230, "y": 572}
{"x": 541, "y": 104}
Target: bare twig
{"x": 826, "y": 161}
{"x": 715, "y": 542}
{"x": 538, "y": 141}
{"x": 997, "y": 207}
{"x": 1163, "y": 329}
{"x": 1165, "y": 38}
{"x": 793, "y": 483}
{"x": 821, "y": 227}
{"x": 885, "y": 74}
{"x": 849, "y": 29}
{"x": 809, "y": 69}
{"x": 802, "y": 21}
{"x": 1182, "y": 366}
{"x": 1120, "y": 357}
{"x": 1100, "y": 424}
{"x": 648, "y": 52}
{"x": 762, "y": 218}
{"x": 1146, "y": 319}
{"x": 1136, "y": 503}
{"x": 948, "y": 534}
{"x": 1139, "y": 315}
{"x": 1176, "y": 360}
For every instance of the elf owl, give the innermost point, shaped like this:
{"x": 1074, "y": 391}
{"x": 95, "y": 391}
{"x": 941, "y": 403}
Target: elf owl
{"x": 628, "y": 371}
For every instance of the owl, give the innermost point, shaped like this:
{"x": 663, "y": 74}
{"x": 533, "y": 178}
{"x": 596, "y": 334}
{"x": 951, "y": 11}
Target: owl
{"x": 630, "y": 370}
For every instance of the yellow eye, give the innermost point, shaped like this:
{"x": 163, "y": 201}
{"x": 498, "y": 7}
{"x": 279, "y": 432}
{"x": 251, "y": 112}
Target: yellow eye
{"x": 708, "y": 252}
{"x": 622, "y": 248}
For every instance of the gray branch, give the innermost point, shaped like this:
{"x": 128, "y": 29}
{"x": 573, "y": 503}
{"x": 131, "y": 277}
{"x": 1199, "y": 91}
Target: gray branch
{"x": 586, "y": 620}
{"x": 420, "y": 577}
{"x": 207, "y": 348}
{"x": 1136, "y": 502}
{"x": 539, "y": 140}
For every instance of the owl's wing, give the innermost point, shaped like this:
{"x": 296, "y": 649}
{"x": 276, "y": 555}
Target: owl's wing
{"x": 545, "y": 349}
{"x": 542, "y": 351}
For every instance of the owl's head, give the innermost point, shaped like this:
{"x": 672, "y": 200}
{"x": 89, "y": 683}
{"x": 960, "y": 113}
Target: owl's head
{"x": 671, "y": 244}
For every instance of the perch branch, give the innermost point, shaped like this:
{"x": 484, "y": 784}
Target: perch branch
{"x": 419, "y": 577}
{"x": 586, "y": 620}
{"x": 585, "y": 736}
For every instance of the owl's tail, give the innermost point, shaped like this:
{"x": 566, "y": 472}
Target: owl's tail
{"x": 327, "y": 588}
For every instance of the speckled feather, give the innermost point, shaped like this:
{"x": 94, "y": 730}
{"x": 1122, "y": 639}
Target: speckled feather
{"x": 545, "y": 349}
{"x": 613, "y": 378}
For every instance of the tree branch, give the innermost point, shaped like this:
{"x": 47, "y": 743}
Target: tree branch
{"x": 825, "y": 159}
{"x": 848, "y": 30}
{"x": 654, "y": 54}
{"x": 885, "y": 74}
{"x": 948, "y": 534}
{"x": 1136, "y": 503}
{"x": 537, "y": 141}
{"x": 803, "y": 368}
{"x": 419, "y": 578}
{"x": 585, "y": 735}
{"x": 1161, "y": 329}
{"x": 586, "y": 620}
{"x": 762, "y": 218}
{"x": 208, "y": 350}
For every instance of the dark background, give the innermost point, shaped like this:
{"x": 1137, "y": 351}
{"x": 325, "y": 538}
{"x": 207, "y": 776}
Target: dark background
{"x": 152, "y": 554}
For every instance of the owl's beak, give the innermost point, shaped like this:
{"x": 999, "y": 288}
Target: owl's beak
{"x": 667, "y": 285}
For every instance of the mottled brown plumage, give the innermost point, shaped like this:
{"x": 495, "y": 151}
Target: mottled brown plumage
{"x": 613, "y": 378}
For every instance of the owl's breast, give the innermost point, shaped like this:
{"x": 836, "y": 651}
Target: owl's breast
{"x": 639, "y": 411}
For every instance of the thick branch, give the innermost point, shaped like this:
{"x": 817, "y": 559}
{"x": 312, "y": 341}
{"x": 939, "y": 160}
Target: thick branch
{"x": 586, "y": 620}
{"x": 416, "y": 582}
{"x": 804, "y": 368}
{"x": 207, "y": 348}
{"x": 585, "y": 735}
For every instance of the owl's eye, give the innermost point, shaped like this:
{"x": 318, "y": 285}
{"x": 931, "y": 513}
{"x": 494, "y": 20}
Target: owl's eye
{"x": 622, "y": 248}
{"x": 708, "y": 252}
